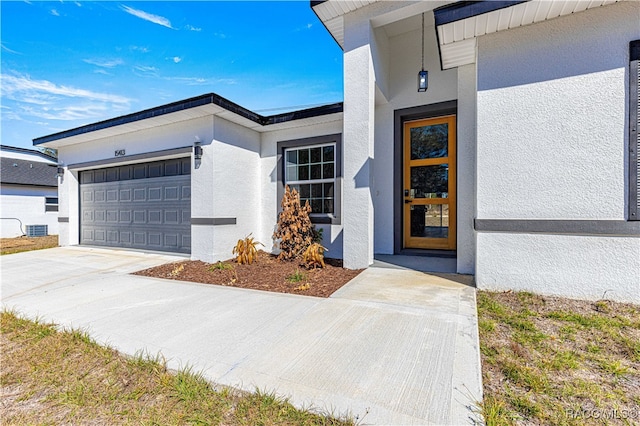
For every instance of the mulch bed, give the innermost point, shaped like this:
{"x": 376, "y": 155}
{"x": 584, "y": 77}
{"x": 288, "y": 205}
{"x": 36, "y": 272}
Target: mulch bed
{"x": 267, "y": 273}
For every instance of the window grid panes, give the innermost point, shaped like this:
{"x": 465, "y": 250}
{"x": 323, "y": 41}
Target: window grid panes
{"x": 311, "y": 172}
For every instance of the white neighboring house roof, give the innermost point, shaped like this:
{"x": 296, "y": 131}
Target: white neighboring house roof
{"x": 26, "y": 154}
{"x": 458, "y": 23}
{"x": 209, "y": 104}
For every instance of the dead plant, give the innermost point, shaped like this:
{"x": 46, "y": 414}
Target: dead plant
{"x": 246, "y": 250}
{"x": 294, "y": 232}
{"x": 313, "y": 256}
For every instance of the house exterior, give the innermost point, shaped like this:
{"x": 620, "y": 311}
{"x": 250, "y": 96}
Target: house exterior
{"x": 519, "y": 160}
{"x": 28, "y": 191}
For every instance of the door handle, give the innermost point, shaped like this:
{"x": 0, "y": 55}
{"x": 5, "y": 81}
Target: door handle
{"x": 407, "y": 201}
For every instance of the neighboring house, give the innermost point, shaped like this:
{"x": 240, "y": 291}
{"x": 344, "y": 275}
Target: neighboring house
{"x": 28, "y": 191}
{"x": 519, "y": 160}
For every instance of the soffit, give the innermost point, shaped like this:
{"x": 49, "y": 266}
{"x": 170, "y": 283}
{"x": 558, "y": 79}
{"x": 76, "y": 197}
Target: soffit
{"x": 331, "y": 14}
{"x": 458, "y": 39}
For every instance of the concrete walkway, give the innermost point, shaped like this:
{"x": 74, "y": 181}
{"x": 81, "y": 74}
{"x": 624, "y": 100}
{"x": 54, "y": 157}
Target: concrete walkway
{"x": 393, "y": 346}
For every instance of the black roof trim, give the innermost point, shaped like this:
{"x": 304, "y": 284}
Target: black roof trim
{"x": 305, "y": 113}
{"x": 634, "y": 50}
{"x": 209, "y": 98}
{"x": 317, "y": 2}
{"x": 28, "y": 151}
{"x": 467, "y": 9}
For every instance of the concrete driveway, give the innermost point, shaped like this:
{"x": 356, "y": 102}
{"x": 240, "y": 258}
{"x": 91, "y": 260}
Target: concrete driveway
{"x": 393, "y": 346}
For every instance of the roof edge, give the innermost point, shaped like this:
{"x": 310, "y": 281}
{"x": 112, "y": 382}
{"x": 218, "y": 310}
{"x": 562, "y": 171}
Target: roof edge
{"x": 27, "y": 151}
{"x": 206, "y": 99}
{"x": 468, "y": 9}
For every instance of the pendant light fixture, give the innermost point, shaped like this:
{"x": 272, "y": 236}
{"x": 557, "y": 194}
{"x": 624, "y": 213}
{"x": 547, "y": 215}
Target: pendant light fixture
{"x": 423, "y": 76}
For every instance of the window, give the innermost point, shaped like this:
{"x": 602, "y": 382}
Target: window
{"x": 313, "y": 166}
{"x": 634, "y": 130}
{"x": 311, "y": 171}
{"x": 50, "y": 204}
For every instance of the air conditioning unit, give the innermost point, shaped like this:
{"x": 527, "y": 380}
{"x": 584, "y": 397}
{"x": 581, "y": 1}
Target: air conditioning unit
{"x": 37, "y": 230}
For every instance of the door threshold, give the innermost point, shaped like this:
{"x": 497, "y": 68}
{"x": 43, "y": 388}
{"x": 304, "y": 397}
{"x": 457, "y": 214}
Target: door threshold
{"x": 428, "y": 253}
{"x": 422, "y": 263}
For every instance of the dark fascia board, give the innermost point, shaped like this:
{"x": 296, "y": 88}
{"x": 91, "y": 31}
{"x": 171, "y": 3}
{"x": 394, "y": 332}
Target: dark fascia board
{"x": 305, "y": 113}
{"x": 209, "y": 98}
{"x": 467, "y": 9}
{"x": 634, "y": 50}
{"x": 28, "y": 151}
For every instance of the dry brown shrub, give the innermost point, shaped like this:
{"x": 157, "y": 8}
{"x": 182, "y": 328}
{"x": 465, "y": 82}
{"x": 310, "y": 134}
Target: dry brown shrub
{"x": 294, "y": 232}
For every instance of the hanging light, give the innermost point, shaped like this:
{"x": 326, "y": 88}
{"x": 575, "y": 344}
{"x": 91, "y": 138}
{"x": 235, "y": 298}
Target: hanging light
{"x": 423, "y": 76}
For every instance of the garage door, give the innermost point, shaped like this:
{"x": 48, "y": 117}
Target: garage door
{"x": 142, "y": 206}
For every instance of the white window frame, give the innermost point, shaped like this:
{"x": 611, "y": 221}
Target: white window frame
{"x": 333, "y": 180}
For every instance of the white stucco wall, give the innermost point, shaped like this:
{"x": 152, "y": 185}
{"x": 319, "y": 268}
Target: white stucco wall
{"x": 235, "y": 186}
{"x": 358, "y": 142}
{"x": 466, "y": 169}
{"x": 552, "y": 143}
{"x": 26, "y": 203}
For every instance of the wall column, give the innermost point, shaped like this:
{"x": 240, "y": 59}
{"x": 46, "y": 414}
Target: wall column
{"x": 358, "y": 143}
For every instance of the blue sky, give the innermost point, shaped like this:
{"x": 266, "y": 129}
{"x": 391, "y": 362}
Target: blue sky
{"x": 69, "y": 63}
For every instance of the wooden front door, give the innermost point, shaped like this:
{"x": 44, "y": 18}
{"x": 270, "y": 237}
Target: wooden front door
{"x": 430, "y": 183}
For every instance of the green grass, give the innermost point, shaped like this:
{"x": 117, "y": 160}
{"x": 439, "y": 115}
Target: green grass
{"x": 297, "y": 276}
{"x": 545, "y": 359}
{"x": 64, "y": 377}
{"x": 220, "y": 266}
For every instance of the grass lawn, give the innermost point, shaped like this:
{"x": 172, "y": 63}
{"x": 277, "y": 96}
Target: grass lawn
{"x": 20, "y": 244}
{"x": 548, "y": 360}
{"x": 63, "y": 377}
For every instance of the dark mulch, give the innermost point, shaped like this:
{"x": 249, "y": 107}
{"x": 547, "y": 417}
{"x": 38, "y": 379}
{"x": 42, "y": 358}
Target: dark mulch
{"x": 267, "y": 273}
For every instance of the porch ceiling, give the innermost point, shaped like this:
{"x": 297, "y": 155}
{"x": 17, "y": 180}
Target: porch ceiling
{"x": 458, "y": 23}
{"x": 457, "y": 37}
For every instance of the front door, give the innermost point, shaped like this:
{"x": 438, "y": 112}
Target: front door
{"x": 430, "y": 183}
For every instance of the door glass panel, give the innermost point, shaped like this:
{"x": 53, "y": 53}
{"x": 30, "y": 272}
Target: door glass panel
{"x": 430, "y": 221}
{"x": 430, "y": 181}
{"x": 429, "y": 141}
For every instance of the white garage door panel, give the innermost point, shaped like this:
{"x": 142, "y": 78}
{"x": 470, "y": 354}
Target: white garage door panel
{"x": 152, "y": 213}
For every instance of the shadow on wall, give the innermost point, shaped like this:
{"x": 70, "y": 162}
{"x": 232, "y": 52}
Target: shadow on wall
{"x": 335, "y": 243}
{"x": 362, "y": 179}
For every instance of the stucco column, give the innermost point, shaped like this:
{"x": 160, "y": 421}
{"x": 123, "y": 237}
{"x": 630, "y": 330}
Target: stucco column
{"x": 202, "y": 199}
{"x": 466, "y": 140}
{"x": 358, "y": 144}
{"x": 68, "y": 206}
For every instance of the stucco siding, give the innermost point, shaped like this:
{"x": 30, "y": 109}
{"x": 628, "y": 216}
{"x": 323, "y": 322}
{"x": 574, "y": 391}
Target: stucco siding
{"x": 584, "y": 267}
{"x": 552, "y": 144}
{"x": 27, "y": 204}
{"x": 235, "y": 159}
